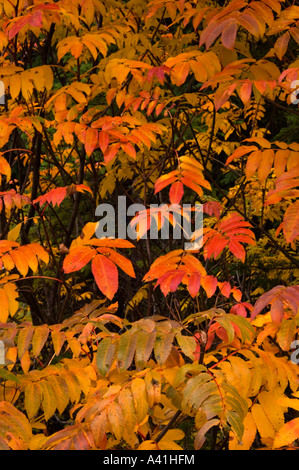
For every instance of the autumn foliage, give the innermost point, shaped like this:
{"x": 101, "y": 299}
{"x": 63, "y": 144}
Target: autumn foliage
{"x": 115, "y": 343}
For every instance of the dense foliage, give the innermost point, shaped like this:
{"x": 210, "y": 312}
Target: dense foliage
{"x": 140, "y": 343}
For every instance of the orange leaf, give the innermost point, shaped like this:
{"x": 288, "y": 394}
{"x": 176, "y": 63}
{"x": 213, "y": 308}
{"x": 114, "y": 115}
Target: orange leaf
{"x": 222, "y": 95}
{"x": 265, "y": 165}
{"x": 176, "y": 192}
{"x": 165, "y": 180}
{"x": 180, "y": 73}
{"x": 103, "y": 140}
{"x": 253, "y": 163}
{"x": 129, "y": 149}
{"x": 120, "y": 260}
{"x": 20, "y": 261}
{"x": 287, "y": 434}
{"x": 209, "y": 283}
{"x": 239, "y": 152}
{"x": 77, "y": 258}
{"x": 91, "y": 140}
{"x": 245, "y": 91}
{"x": 106, "y": 275}
{"x": 280, "y": 161}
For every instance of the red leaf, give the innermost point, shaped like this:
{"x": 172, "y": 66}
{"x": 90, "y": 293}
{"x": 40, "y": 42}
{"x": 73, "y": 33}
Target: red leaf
{"x": 33, "y": 19}
{"x": 240, "y": 309}
{"x": 225, "y": 288}
{"x": 106, "y": 275}
{"x": 170, "y": 281}
{"x": 56, "y": 195}
{"x": 237, "y": 249}
{"x": 194, "y": 284}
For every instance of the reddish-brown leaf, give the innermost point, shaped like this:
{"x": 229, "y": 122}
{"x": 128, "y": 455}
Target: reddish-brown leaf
{"x": 281, "y": 45}
{"x": 228, "y": 36}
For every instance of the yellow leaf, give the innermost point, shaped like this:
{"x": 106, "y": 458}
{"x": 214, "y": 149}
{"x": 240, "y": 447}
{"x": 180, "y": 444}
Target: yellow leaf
{"x": 272, "y": 409}
{"x": 58, "y": 338}
{"x": 25, "y": 362}
{"x": 40, "y": 336}
{"x": 116, "y": 419}
{"x": 5, "y": 168}
{"x": 61, "y": 391}
{"x": 12, "y": 294}
{"x": 14, "y": 233}
{"x": 126, "y": 401}
{"x": 148, "y": 445}
{"x": 37, "y": 442}
{"x": 15, "y": 86}
{"x": 11, "y": 357}
{"x": 140, "y": 398}
{"x": 173, "y": 435}
{"x": 73, "y": 385}
{"x": 264, "y": 426}
{"x": 48, "y": 400}
{"x": 32, "y": 399}
{"x": 153, "y": 387}
{"x": 168, "y": 445}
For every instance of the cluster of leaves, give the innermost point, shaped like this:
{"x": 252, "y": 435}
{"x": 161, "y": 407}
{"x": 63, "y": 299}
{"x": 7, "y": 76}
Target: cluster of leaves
{"x": 113, "y": 343}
